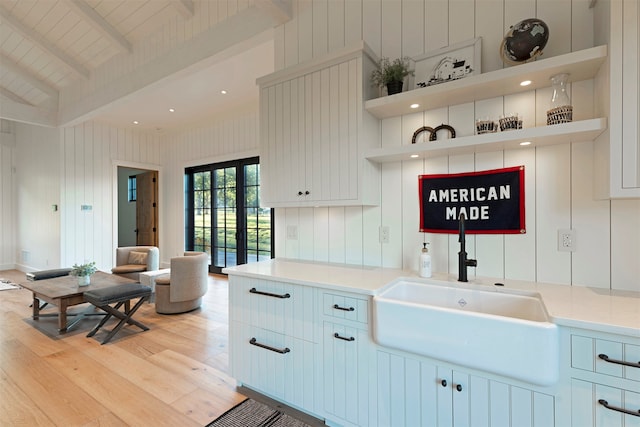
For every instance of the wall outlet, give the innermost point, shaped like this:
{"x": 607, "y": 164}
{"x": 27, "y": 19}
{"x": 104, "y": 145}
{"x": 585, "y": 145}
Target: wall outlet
{"x": 384, "y": 233}
{"x": 566, "y": 240}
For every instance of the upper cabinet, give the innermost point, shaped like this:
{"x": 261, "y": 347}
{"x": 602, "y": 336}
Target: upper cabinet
{"x": 618, "y": 94}
{"x": 314, "y": 131}
{"x": 580, "y": 65}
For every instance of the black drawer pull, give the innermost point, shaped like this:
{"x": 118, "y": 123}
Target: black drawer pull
{"x": 336, "y": 335}
{"x": 269, "y": 294}
{"x": 253, "y": 341}
{"x": 444, "y": 383}
{"x": 337, "y": 307}
{"x": 619, "y": 362}
{"x": 459, "y": 387}
{"x": 615, "y": 408}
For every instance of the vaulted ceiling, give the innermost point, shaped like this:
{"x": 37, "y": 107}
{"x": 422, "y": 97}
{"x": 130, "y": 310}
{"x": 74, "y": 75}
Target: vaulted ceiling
{"x": 50, "y": 48}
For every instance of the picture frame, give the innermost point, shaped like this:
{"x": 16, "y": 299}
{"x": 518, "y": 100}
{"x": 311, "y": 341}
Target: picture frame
{"x": 449, "y": 63}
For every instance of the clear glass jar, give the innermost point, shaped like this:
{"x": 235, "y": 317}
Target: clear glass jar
{"x": 560, "y": 97}
{"x": 560, "y": 110}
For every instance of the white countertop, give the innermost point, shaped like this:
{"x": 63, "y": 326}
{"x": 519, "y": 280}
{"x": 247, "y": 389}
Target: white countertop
{"x": 574, "y": 306}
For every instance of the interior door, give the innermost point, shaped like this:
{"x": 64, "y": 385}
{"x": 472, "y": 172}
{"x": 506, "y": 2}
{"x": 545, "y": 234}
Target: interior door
{"x": 147, "y": 209}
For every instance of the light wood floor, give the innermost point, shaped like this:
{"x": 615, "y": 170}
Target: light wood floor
{"x": 175, "y": 374}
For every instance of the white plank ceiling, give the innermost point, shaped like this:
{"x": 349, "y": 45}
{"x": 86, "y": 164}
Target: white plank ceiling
{"x": 47, "y": 46}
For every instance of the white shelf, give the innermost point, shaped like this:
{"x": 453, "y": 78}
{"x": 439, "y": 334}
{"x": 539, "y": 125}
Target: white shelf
{"x": 581, "y": 65}
{"x": 584, "y": 130}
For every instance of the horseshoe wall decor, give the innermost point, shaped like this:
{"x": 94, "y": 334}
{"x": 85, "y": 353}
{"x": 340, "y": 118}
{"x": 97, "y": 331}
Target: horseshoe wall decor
{"x": 419, "y": 131}
{"x": 451, "y": 130}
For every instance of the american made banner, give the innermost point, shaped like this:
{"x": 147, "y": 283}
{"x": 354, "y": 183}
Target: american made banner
{"x": 492, "y": 201}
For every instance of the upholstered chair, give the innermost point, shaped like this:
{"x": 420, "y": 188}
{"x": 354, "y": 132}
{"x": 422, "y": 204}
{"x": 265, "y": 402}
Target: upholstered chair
{"x": 183, "y": 288}
{"x": 133, "y": 260}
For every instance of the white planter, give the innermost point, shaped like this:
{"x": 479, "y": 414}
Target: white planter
{"x": 84, "y": 280}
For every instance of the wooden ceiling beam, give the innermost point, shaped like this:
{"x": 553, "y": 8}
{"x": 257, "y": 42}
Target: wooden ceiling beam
{"x": 27, "y": 75}
{"x": 14, "y": 97}
{"x": 35, "y": 38}
{"x": 279, "y": 10}
{"x": 184, "y": 7}
{"x": 98, "y": 23}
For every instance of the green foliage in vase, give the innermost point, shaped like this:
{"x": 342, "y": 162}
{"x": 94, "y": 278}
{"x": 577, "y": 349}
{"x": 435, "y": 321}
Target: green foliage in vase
{"x": 388, "y": 71}
{"x": 83, "y": 269}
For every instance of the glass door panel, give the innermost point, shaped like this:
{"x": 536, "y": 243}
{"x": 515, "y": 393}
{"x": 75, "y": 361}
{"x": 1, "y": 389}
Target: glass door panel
{"x": 225, "y": 250}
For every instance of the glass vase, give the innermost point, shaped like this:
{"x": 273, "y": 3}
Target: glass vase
{"x": 84, "y": 280}
{"x": 560, "y": 110}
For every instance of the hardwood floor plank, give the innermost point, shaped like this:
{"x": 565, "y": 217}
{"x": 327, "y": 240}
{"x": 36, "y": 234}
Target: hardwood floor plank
{"x": 161, "y": 383}
{"x": 17, "y": 408}
{"x": 134, "y": 405}
{"x": 204, "y": 406}
{"x": 62, "y": 401}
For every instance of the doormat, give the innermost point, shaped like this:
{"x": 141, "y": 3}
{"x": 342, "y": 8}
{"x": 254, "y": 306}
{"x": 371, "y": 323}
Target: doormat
{"x": 6, "y": 285}
{"x": 250, "y": 413}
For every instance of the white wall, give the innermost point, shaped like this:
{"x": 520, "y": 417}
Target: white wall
{"x": 219, "y": 139}
{"x": 559, "y": 185}
{"x": 7, "y": 195}
{"x": 37, "y": 173}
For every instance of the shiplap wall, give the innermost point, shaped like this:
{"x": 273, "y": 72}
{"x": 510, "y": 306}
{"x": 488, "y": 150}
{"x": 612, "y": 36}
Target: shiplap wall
{"x": 7, "y": 195}
{"x": 70, "y": 167}
{"x": 220, "y": 139}
{"x": 558, "y": 179}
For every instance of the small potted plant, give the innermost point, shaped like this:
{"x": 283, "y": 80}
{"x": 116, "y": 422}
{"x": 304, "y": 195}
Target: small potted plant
{"x": 391, "y": 73}
{"x": 83, "y": 272}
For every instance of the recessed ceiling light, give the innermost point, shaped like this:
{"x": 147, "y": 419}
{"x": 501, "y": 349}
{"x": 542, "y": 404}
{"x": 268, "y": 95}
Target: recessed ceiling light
{"x": 171, "y": 110}
{"x": 525, "y": 143}
{"x": 414, "y": 156}
{"x": 414, "y": 105}
{"x": 135, "y": 122}
{"x": 525, "y": 83}
{"x": 224, "y": 92}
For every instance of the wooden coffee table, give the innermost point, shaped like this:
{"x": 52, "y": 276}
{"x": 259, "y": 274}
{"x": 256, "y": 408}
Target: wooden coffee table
{"x": 64, "y": 292}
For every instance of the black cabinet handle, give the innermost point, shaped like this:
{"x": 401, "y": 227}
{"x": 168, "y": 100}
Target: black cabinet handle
{"x": 306, "y": 193}
{"x": 459, "y": 387}
{"x": 253, "y": 341}
{"x": 336, "y": 335}
{"x": 299, "y": 193}
{"x": 615, "y": 408}
{"x": 444, "y": 383}
{"x": 618, "y": 362}
{"x": 269, "y": 294}
{"x": 337, "y": 307}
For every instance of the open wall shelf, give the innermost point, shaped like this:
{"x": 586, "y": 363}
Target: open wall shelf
{"x": 584, "y": 130}
{"x": 580, "y": 65}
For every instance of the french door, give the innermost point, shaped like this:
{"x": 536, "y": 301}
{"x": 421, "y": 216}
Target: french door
{"x": 223, "y": 214}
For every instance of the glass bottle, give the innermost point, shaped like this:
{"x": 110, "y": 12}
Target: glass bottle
{"x": 561, "y": 110}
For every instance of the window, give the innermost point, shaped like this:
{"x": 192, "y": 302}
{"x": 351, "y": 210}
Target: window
{"x": 223, "y": 214}
{"x": 131, "y": 188}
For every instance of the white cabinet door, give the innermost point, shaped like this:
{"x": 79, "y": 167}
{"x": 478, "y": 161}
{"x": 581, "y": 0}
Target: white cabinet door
{"x": 347, "y": 369}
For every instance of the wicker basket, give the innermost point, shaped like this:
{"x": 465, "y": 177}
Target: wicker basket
{"x": 510, "y": 123}
{"x": 486, "y": 126}
{"x": 559, "y": 115}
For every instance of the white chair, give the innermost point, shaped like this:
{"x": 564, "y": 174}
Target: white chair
{"x": 132, "y": 260}
{"x": 183, "y": 288}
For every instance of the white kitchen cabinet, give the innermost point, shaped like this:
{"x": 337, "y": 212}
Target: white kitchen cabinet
{"x": 346, "y": 359}
{"x": 272, "y": 338}
{"x": 605, "y": 380}
{"x": 418, "y": 392}
{"x": 314, "y": 130}
{"x": 617, "y": 23}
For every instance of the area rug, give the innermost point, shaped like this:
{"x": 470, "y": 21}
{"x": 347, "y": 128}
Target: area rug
{"x": 250, "y": 413}
{"x": 5, "y": 285}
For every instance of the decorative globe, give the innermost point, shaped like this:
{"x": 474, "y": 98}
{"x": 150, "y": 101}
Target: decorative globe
{"x": 524, "y": 41}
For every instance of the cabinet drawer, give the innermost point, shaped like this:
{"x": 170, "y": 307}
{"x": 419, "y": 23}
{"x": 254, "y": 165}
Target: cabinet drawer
{"x": 280, "y": 307}
{"x": 597, "y": 405}
{"x": 614, "y": 358}
{"x": 275, "y": 364}
{"x": 345, "y": 307}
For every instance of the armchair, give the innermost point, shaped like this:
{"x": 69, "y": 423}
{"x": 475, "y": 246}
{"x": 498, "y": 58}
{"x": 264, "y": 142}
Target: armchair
{"x": 182, "y": 289}
{"x": 132, "y": 260}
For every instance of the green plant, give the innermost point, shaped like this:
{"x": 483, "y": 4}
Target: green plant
{"x": 388, "y": 71}
{"x": 83, "y": 269}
